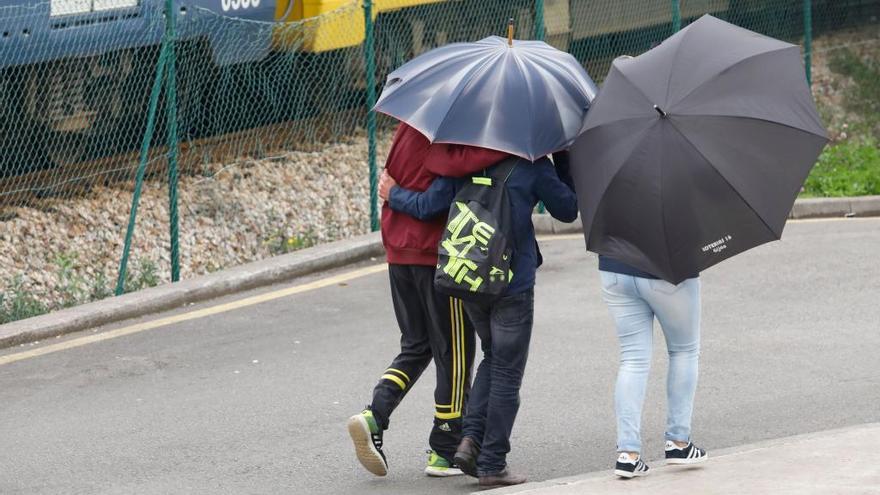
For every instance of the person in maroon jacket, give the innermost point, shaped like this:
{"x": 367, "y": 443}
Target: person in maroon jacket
{"x": 432, "y": 326}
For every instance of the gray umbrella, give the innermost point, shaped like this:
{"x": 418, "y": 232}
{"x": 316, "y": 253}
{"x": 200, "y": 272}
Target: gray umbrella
{"x": 526, "y": 98}
{"x": 696, "y": 150}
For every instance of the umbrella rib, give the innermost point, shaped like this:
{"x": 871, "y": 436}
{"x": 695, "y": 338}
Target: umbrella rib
{"x": 746, "y": 117}
{"x": 528, "y": 105}
{"x": 616, "y": 173}
{"x": 618, "y": 121}
{"x": 687, "y": 32}
{"x": 572, "y": 78}
{"x": 473, "y": 75}
{"x": 726, "y": 69}
{"x": 549, "y": 80}
{"x": 734, "y": 189}
{"x": 650, "y": 103}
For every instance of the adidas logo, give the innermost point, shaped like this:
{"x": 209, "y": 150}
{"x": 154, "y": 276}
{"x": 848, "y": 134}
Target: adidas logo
{"x": 445, "y": 427}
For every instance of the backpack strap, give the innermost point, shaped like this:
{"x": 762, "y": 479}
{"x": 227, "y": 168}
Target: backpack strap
{"x": 501, "y": 171}
{"x": 506, "y": 167}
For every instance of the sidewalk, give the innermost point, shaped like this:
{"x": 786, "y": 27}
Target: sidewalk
{"x": 825, "y": 463}
{"x": 280, "y": 269}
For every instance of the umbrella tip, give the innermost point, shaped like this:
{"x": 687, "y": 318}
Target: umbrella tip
{"x": 510, "y": 32}
{"x": 660, "y": 111}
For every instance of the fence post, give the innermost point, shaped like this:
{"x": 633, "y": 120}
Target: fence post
{"x": 171, "y": 117}
{"x": 369, "y": 58}
{"x": 676, "y": 16}
{"x": 539, "y": 20}
{"x": 808, "y": 40}
{"x": 142, "y": 167}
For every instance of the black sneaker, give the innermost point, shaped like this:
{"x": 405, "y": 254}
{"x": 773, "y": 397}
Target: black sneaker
{"x": 367, "y": 438}
{"x": 628, "y": 468}
{"x": 689, "y": 454}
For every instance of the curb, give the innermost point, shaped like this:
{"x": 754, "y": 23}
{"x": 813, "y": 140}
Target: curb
{"x": 283, "y": 268}
{"x": 169, "y": 296}
{"x": 715, "y": 454}
{"x": 862, "y": 206}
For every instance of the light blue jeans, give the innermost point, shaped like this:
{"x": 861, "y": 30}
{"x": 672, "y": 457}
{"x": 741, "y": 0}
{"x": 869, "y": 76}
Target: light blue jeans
{"x": 634, "y": 302}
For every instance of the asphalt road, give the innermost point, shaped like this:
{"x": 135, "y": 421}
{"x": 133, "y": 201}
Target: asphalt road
{"x": 254, "y": 400}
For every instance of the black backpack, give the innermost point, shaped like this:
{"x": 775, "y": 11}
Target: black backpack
{"x": 476, "y": 249}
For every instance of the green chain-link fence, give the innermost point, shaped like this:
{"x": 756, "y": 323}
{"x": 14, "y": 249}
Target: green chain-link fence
{"x": 269, "y": 121}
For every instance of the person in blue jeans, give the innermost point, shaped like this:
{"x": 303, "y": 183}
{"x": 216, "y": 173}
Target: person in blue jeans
{"x": 634, "y": 299}
{"x": 504, "y": 326}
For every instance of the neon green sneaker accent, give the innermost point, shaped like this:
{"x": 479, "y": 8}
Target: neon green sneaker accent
{"x": 371, "y": 421}
{"x": 440, "y": 467}
{"x": 437, "y": 461}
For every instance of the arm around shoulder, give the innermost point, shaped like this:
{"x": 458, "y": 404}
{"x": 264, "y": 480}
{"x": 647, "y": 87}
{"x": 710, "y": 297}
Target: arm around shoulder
{"x": 558, "y": 197}
{"x": 427, "y": 205}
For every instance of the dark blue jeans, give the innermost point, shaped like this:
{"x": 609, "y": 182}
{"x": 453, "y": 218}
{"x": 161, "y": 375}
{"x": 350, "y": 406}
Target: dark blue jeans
{"x": 505, "y": 329}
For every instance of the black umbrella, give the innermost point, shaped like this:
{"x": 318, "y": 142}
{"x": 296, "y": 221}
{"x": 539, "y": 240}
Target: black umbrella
{"x": 696, "y": 150}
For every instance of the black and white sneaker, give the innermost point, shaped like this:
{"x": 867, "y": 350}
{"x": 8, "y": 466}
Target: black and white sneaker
{"x": 690, "y": 454}
{"x": 628, "y": 468}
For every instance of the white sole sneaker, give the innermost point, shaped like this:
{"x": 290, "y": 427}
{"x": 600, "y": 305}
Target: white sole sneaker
{"x": 366, "y": 452}
{"x": 685, "y": 462}
{"x": 627, "y": 474}
{"x": 436, "y": 472}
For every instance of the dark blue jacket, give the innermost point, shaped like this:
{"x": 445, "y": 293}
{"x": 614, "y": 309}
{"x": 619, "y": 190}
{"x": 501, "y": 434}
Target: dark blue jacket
{"x": 528, "y": 184}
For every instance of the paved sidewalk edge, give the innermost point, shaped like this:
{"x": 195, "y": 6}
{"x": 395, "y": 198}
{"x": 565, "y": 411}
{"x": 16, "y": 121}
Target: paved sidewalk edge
{"x": 715, "y": 454}
{"x": 282, "y": 268}
{"x": 861, "y": 206}
{"x": 168, "y": 296}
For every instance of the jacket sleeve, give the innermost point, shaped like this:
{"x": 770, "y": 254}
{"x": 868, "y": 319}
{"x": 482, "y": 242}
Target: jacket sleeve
{"x": 458, "y": 160}
{"x": 558, "y": 197}
{"x": 427, "y": 205}
{"x": 563, "y": 168}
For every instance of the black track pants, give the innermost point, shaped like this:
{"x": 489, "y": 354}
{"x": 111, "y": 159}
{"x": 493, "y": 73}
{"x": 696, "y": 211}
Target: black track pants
{"x": 432, "y": 326}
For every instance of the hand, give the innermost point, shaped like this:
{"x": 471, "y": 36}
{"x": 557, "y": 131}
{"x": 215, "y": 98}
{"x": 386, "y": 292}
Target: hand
{"x": 386, "y": 183}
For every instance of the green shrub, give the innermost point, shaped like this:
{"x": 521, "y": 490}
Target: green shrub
{"x": 849, "y": 168}
{"x": 145, "y": 274}
{"x": 18, "y": 303}
{"x": 863, "y": 97}
{"x": 100, "y": 288}
{"x": 71, "y": 284}
{"x": 279, "y": 243}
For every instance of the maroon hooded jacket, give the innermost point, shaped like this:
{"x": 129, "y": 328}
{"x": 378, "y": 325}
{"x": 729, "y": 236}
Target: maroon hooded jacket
{"x": 414, "y": 163}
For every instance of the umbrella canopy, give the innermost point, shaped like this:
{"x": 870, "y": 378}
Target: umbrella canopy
{"x": 696, "y": 150}
{"x": 527, "y": 99}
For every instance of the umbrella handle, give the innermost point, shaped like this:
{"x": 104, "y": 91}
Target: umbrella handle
{"x": 510, "y": 32}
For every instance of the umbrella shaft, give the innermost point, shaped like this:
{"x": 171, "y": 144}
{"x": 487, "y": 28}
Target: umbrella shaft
{"x": 510, "y": 32}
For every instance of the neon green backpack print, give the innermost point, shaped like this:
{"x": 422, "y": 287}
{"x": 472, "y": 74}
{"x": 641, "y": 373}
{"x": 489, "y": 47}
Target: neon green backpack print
{"x": 476, "y": 249}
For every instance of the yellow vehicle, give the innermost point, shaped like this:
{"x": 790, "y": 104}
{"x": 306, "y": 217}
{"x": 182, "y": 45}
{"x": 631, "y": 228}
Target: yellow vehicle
{"x": 334, "y": 30}
{"x": 339, "y": 24}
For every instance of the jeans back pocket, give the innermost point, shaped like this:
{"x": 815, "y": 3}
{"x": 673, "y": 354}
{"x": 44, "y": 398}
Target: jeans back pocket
{"x": 609, "y": 279}
{"x": 665, "y": 287}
